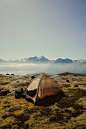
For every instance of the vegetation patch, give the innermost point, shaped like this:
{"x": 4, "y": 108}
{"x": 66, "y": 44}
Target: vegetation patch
{"x": 56, "y": 116}
{"x": 46, "y": 111}
{"x": 70, "y": 101}
{"x": 66, "y": 85}
{"x": 67, "y": 102}
{"x": 22, "y": 118}
{"x": 19, "y": 113}
{"x": 2, "y": 82}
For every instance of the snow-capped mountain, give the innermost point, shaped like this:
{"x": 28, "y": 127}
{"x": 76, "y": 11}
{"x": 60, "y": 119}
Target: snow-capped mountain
{"x": 82, "y": 61}
{"x": 43, "y": 59}
{"x": 59, "y": 60}
{"x": 2, "y": 60}
{"x": 33, "y": 59}
{"x": 37, "y": 59}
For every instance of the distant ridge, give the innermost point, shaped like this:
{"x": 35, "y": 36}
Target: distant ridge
{"x": 59, "y": 60}
{"x": 43, "y": 59}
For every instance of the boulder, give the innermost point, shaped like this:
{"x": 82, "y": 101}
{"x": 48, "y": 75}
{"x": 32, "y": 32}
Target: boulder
{"x": 68, "y": 81}
{"x": 76, "y": 86}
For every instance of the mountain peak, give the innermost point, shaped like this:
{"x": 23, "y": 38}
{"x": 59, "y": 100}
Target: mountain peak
{"x": 66, "y": 60}
{"x": 42, "y": 59}
{"x": 42, "y": 56}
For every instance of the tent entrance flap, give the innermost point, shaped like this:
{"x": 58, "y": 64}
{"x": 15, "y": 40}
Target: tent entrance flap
{"x": 32, "y": 92}
{"x": 33, "y": 85}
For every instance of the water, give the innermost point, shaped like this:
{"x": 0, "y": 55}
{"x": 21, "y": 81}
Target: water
{"x": 29, "y": 68}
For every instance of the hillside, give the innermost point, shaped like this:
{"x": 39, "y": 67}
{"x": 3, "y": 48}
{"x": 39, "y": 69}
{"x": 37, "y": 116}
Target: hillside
{"x": 68, "y": 113}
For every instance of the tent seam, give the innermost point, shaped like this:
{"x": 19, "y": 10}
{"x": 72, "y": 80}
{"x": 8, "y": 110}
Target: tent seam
{"x": 37, "y": 90}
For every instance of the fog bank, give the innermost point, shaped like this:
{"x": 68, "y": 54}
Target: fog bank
{"x": 28, "y": 68}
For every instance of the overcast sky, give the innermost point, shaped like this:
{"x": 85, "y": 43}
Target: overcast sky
{"x": 53, "y": 28}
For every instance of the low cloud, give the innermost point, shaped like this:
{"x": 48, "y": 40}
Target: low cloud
{"x": 26, "y": 68}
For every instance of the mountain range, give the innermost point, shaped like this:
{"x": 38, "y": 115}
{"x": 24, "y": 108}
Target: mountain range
{"x": 43, "y": 59}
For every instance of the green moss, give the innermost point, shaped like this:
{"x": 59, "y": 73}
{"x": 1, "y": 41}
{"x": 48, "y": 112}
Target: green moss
{"x": 2, "y": 82}
{"x": 6, "y": 102}
{"x": 15, "y": 108}
{"x": 16, "y": 113}
{"x": 32, "y": 110}
{"x": 22, "y": 118}
{"x": 7, "y": 123}
{"x": 46, "y": 111}
{"x": 69, "y": 101}
{"x": 58, "y": 116}
{"x": 66, "y": 85}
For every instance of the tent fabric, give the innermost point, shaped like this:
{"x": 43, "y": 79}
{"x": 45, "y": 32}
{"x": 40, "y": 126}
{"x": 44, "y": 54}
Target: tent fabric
{"x": 43, "y": 90}
{"x": 34, "y": 84}
{"x": 47, "y": 87}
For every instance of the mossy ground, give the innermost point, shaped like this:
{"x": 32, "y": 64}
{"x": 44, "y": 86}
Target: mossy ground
{"x": 68, "y": 113}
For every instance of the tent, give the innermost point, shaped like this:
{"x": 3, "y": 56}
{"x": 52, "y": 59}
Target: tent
{"x": 43, "y": 91}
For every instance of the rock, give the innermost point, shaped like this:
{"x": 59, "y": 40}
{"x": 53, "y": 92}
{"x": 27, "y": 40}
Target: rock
{"x": 75, "y": 74}
{"x": 12, "y": 74}
{"x": 68, "y": 81}
{"x": 76, "y": 86}
{"x": 0, "y": 75}
{"x": 33, "y": 77}
{"x": 81, "y": 127}
{"x": 21, "y": 84}
{"x": 74, "y": 79}
{"x": 7, "y": 74}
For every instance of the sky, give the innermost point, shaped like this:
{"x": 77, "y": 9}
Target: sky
{"x": 52, "y": 28}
